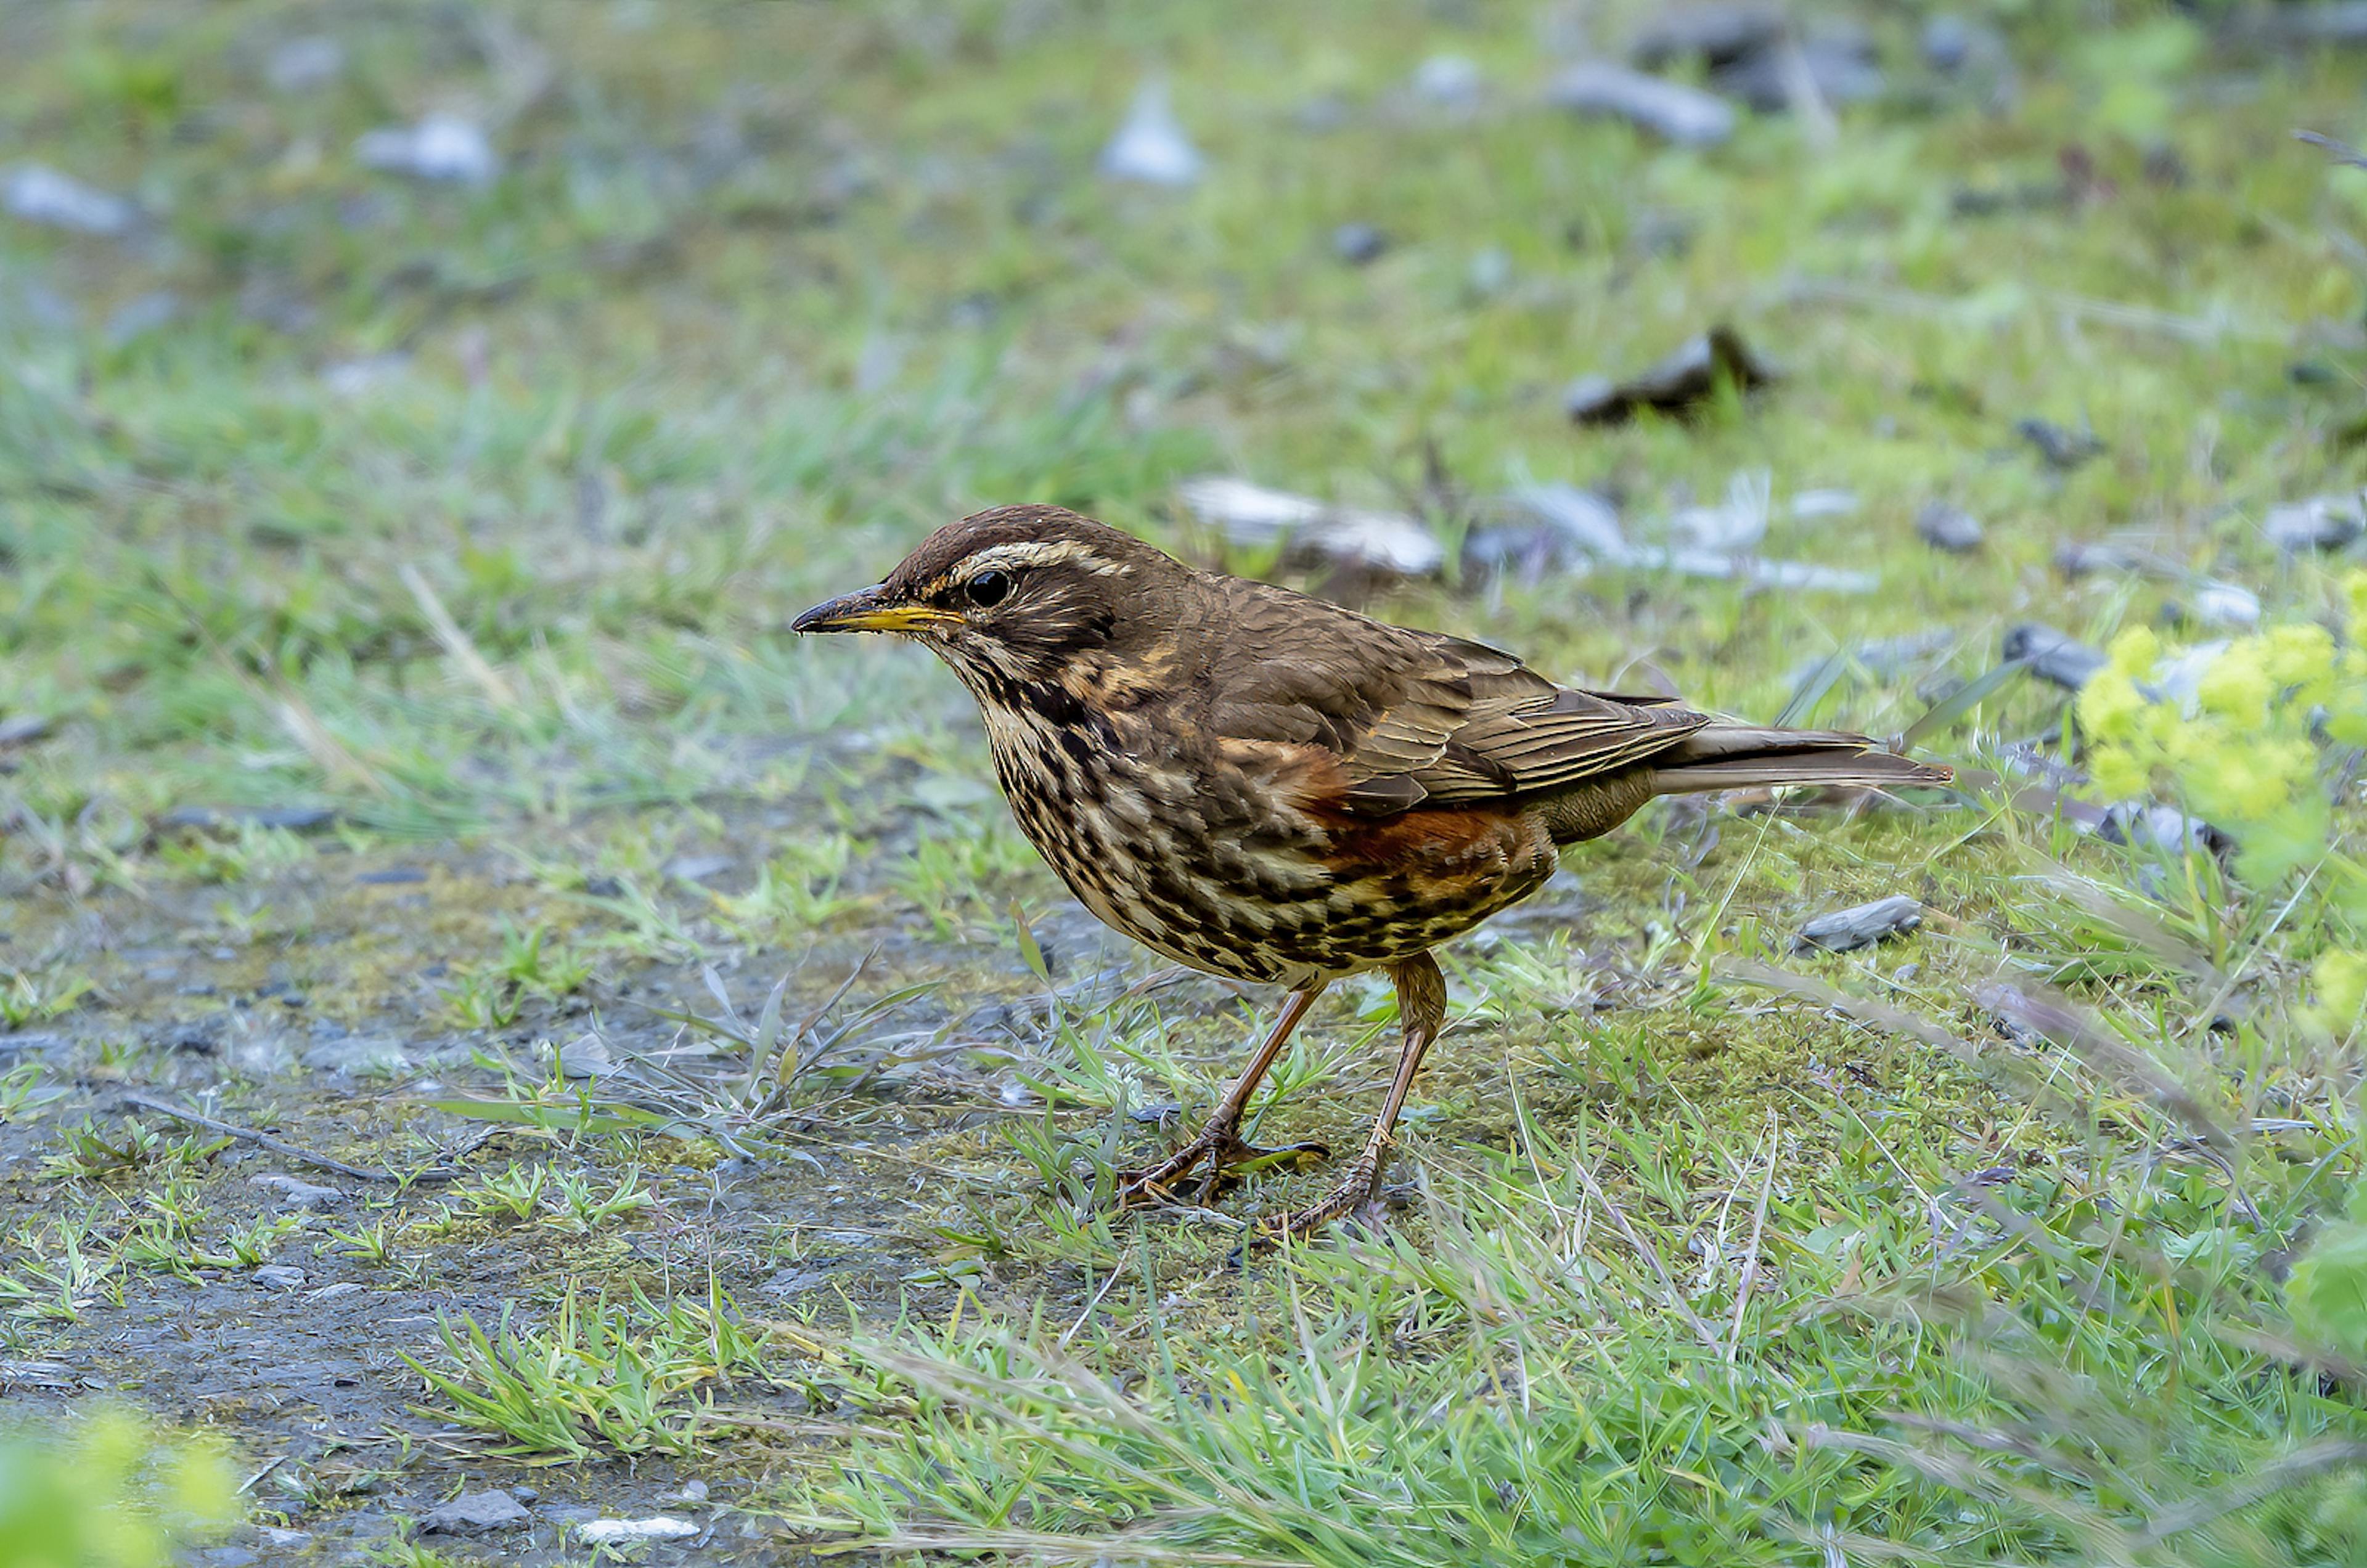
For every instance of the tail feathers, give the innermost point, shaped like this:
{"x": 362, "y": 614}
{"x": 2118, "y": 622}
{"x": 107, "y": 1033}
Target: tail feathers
{"x": 1736, "y": 756}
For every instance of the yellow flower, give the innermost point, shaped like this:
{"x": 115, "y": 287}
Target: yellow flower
{"x": 2237, "y": 684}
{"x": 2340, "y": 980}
{"x": 2136, "y": 651}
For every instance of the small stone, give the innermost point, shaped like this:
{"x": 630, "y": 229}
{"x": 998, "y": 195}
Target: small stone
{"x": 227, "y": 1557}
{"x": 1151, "y": 147}
{"x": 586, "y": 1056}
{"x": 1158, "y": 1113}
{"x": 23, "y": 729}
{"x": 2225, "y": 605}
{"x": 617, "y": 1532}
{"x": 279, "y": 1277}
{"x": 693, "y": 1492}
{"x": 2321, "y": 523}
{"x": 2150, "y": 825}
{"x": 331, "y": 1293}
{"x": 474, "y": 1514}
{"x": 274, "y": 1536}
{"x": 795, "y": 1281}
{"x": 1719, "y": 32}
{"x": 1358, "y": 245}
{"x": 294, "y": 819}
{"x": 1683, "y": 115}
{"x": 300, "y": 1193}
{"x": 441, "y": 147}
{"x": 1836, "y": 64}
{"x": 301, "y": 64}
{"x": 1816, "y": 505}
{"x": 39, "y": 194}
{"x": 1950, "y": 529}
{"x": 138, "y": 317}
{"x": 392, "y": 876}
{"x": 1842, "y": 931}
{"x": 2062, "y": 450}
{"x": 1684, "y": 379}
{"x": 1450, "y": 81}
{"x": 1253, "y": 516}
{"x": 2054, "y": 656}
{"x": 1947, "y": 42}
{"x": 698, "y": 868}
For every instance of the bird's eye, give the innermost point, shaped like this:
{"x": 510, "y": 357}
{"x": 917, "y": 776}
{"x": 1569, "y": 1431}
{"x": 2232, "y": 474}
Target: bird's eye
{"x": 988, "y": 589}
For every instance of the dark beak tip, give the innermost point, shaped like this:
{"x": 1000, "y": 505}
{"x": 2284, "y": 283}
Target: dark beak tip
{"x": 825, "y": 616}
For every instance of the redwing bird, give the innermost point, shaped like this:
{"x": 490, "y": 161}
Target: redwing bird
{"x": 1271, "y": 788}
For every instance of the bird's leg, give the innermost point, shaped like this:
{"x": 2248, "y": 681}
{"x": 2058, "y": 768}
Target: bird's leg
{"x": 1219, "y": 1142}
{"x": 1421, "y": 1011}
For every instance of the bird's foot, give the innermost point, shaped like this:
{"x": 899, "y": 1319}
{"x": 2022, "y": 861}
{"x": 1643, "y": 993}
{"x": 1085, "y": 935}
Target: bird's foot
{"x": 1227, "y": 1158}
{"x": 1360, "y": 1197}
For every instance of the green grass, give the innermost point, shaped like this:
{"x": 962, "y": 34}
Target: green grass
{"x": 474, "y": 517}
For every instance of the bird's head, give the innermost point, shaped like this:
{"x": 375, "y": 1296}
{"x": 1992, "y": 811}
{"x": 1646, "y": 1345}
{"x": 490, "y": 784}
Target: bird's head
{"x": 1020, "y": 596}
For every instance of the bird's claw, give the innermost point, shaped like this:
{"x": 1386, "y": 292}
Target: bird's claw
{"x": 1227, "y": 1158}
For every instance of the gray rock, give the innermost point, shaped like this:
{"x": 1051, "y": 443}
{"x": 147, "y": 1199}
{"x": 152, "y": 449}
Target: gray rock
{"x": 39, "y": 194}
{"x": 1716, "y": 33}
{"x": 298, "y": 1193}
{"x": 1686, "y": 116}
{"x": 294, "y": 819}
{"x": 1950, "y": 529}
{"x": 2144, "y": 824}
{"x": 1687, "y": 376}
{"x": 698, "y": 868}
{"x": 1450, "y": 81}
{"x": 355, "y": 1054}
{"x": 2063, "y": 450}
{"x": 1816, "y": 505}
{"x": 442, "y": 147}
{"x": 474, "y": 1514}
{"x": 138, "y": 317}
{"x": 1838, "y": 65}
{"x": 279, "y": 1277}
{"x": 1358, "y": 243}
{"x": 2321, "y": 523}
{"x": 301, "y": 64}
{"x": 1151, "y": 147}
{"x": 23, "y": 729}
{"x": 1253, "y": 516}
{"x": 1551, "y": 527}
{"x": 1842, "y": 931}
{"x": 2225, "y": 605}
{"x": 619, "y": 1532}
{"x": 2054, "y": 656}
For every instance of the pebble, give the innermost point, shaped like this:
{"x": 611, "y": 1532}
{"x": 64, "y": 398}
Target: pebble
{"x": 698, "y": 868}
{"x": 299, "y": 1193}
{"x": 39, "y": 194}
{"x": 2225, "y": 605}
{"x": 1151, "y": 147}
{"x": 1716, "y": 33}
{"x": 279, "y": 1277}
{"x": 474, "y": 1514}
{"x": 1451, "y": 81}
{"x": 1839, "y": 65}
{"x": 23, "y": 729}
{"x": 1253, "y": 516}
{"x": 1675, "y": 383}
{"x": 2321, "y": 523}
{"x": 441, "y": 147}
{"x": 1358, "y": 243}
{"x": 1843, "y": 931}
{"x": 2055, "y": 656}
{"x": 303, "y": 63}
{"x": 1815, "y": 505}
{"x": 1687, "y": 116}
{"x": 2062, "y": 449}
{"x": 1950, "y": 529}
{"x": 615, "y": 1533}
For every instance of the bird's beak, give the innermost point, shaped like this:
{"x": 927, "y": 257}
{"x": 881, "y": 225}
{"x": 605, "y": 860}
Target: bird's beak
{"x": 868, "y": 610}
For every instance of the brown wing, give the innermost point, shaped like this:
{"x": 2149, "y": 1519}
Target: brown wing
{"x": 1415, "y": 717}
